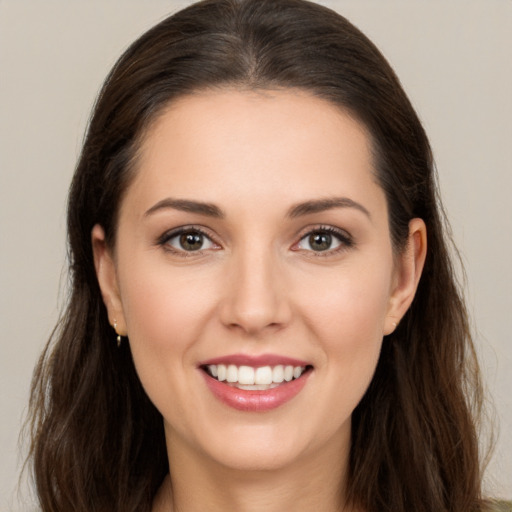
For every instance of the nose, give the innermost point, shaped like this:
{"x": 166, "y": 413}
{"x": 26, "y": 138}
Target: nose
{"x": 255, "y": 300}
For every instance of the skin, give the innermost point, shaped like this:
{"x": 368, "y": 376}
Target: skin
{"x": 256, "y": 287}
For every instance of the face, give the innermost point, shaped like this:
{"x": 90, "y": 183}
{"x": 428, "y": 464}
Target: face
{"x": 254, "y": 275}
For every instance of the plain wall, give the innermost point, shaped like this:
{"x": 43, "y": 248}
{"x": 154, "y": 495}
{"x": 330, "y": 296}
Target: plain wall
{"x": 455, "y": 61}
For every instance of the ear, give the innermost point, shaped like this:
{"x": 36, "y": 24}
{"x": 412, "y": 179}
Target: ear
{"x": 107, "y": 279}
{"x": 408, "y": 269}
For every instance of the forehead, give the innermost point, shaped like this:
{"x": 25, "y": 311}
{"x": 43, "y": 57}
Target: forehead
{"x": 284, "y": 145}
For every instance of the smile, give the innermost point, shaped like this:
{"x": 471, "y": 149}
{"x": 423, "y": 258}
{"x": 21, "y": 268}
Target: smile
{"x": 255, "y": 384}
{"x": 250, "y": 378}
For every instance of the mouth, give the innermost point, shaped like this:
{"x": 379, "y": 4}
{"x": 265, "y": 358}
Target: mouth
{"x": 251, "y": 378}
{"x": 249, "y": 385}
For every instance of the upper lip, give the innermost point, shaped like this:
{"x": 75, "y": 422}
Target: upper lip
{"x": 255, "y": 361}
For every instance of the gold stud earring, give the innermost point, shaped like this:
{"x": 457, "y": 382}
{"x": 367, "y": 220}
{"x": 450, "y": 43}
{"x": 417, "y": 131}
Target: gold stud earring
{"x": 118, "y": 335}
{"x": 394, "y": 326}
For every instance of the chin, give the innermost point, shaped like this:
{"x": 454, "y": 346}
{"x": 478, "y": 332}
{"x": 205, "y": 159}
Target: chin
{"x": 268, "y": 448}
{"x": 257, "y": 458}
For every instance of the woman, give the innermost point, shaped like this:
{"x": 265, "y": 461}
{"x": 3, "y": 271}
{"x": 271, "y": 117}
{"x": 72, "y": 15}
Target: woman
{"x": 263, "y": 312}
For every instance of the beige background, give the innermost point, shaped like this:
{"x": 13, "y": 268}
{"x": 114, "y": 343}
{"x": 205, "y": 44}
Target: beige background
{"x": 455, "y": 61}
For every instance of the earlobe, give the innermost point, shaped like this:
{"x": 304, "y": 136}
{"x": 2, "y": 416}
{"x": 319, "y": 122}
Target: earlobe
{"x": 407, "y": 274}
{"x": 107, "y": 279}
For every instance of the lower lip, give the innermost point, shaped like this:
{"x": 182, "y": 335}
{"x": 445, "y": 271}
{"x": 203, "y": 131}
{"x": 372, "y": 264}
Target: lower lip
{"x": 256, "y": 400}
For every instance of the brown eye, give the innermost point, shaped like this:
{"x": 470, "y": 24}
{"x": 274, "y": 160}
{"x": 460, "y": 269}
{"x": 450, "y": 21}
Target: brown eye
{"x": 189, "y": 241}
{"x": 324, "y": 240}
{"x": 320, "y": 241}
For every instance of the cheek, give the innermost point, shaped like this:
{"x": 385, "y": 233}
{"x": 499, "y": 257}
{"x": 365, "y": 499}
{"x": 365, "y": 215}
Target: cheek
{"x": 163, "y": 305}
{"x": 352, "y": 340}
{"x": 349, "y": 307}
{"x": 348, "y": 320}
{"x": 165, "y": 312}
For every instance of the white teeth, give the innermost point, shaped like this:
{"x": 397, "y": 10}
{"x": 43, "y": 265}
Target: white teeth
{"x": 288, "y": 373}
{"x": 263, "y": 375}
{"x": 278, "y": 373}
{"x": 257, "y": 387}
{"x": 221, "y": 372}
{"x": 247, "y": 377}
{"x": 232, "y": 373}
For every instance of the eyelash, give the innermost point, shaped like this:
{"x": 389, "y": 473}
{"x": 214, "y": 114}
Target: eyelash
{"x": 344, "y": 239}
{"x": 169, "y": 235}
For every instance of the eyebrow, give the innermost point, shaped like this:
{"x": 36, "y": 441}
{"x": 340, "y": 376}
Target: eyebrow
{"x": 298, "y": 210}
{"x": 186, "y": 205}
{"x": 321, "y": 205}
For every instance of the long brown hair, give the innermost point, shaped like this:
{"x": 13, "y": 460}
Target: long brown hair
{"x": 97, "y": 440}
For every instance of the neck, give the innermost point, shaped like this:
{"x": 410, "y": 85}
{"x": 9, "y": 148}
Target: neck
{"x": 310, "y": 484}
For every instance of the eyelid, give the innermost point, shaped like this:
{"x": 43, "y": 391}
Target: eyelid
{"x": 163, "y": 239}
{"x": 346, "y": 240}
